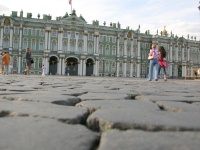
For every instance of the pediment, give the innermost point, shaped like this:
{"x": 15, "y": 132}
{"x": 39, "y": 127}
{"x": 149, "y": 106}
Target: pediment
{"x": 75, "y": 19}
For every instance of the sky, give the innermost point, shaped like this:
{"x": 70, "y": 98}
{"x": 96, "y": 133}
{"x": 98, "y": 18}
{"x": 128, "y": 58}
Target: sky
{"x": 181, "y": 17}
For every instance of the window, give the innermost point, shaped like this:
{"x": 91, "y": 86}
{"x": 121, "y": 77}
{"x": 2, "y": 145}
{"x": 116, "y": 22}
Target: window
{"x": 121, "y": 51}
{"x": 107, "y": 50}
{"x": 41, "y": 45}
{"x": 33, "y": 32}
{"x": 107, "y": 39}
{"x": 16, "y": 31}
{"x": 73, "y": 35}
{"x": 114, "y": 51}
{"x": 129, "y": 52}
{"x": 54, "y": 33}
{"x": 72, "y": 45}
{"x": 6, "y": 30}
{"x": 25, "y": 43}
{"x": 121, "y": 40}
{"x": 40, "y": 63}
{"x": 90, "y": 48}
{"x": 41, "y": 32}
{"x": 25, "y": 31}
{"x": 33, "y": 44}
{"x": 101, "y": 38}
{"x": 114, "y": 40}
{"x": 80, "y": 47}
{"x": 15, "y": 62}
{"x": 64, "y": 46}
{"x": 80, "y": 36}
{"x": 15, "y": 43}
{"x": 6, "y": 43}
{"x": 101, "y": 50}
{"x": 65, "y": 34}
{"x": 90, "y": 37}
{"x": 54, "y": 45}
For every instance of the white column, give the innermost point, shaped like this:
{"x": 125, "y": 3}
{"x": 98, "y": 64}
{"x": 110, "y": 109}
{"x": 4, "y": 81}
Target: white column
{"x": 97, "y": 45}
{"x": 59, "y": 66}
{"x": 184, "y": 69}
{"x": 125, "y": 47}
{"x": 124, "y": 69}
{"x": 183, "y": 53}
{"x": 46, "y": 39}
{"x": 117, "y": 46}
{"x": 49, "y": 41}
{"x": 97, "y": 68}
{"x": 47, "y": 66}
{"x": 81, "y": 67}
{"x": 84, "y": 67}
{"x": 1, "y": 38}
{"x": 131, "y": 48}
{"x": 63, "y": 66}
{"x": 11, "y": 38}
{"x": 188, "y": 54}
{"x": 61, "y": 38}
{"x": 176, "y": 53}
{"x": 131, "y": 69}
{"x": 95, "y": 41}
{"x": 68, "y": 44}
{"x": 117, "y": 73}
{"x": 170, "y": 53}
{"x": 138, "y": 60}
{"x": 58, "y": 46}
{"x": 76, "y": 48}
{"x": 85, "y": 43}
{"x": 20, "y": 49}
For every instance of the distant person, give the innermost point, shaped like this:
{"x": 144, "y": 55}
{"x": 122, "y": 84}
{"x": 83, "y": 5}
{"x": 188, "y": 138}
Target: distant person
{"x": 43, "y": 70}
{"x": 162, "y": 61}
{"x": 6, "y": 62}
{"x": 153, "y": 64}
{"x": 28, "y": 60}
{"x": 195, "y": 73}
{"x": 1, "y": 62}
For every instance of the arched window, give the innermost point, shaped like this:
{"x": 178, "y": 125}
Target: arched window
{"x": 129, "y": 52}
{"x": 14, "y": 62}
{"x": 54, "y": 45}
{"x": 15, "y": 43}
{"x": 40, "y": 63}
{"x": 107, "y": 50}
{"x": 6, "y": 42}
{"x": 114, "y": 51}
{"x": 80, "y": 47}
{"x": 25, "y": 43}
{"x": 101, "y": 50}
{"x": 41, "y": 45}
{"x": 64, "y": 46}
{"x": 72, "y": 45}
{"x": 73, "y": 35}
{"x": 6, "y": 30}
{"x": 121, "y": 51}
{"x": 33, "y": 44}
{"x": 90, "y": 48}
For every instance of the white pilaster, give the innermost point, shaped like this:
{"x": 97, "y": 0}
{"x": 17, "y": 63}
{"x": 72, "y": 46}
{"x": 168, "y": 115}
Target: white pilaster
{"x": 68, "y": 44}
{"x": 131, "y": 48}
{"x": 76, "y": 47}
{"x": 125, "y": 47}
{"x": 117, "y": 73}
{"x": 84, "y": 67}
{"x": 131, "y": 70}
{"x": 176, "y": 53}
{"x": 1, "y": 38}
{"x": 85, "y": 43}
{"x": 97, "y": 45}
{"x": 117, "y": 46}
{"x": 49, "y": 41}
{"x": 188, "y": 54}
{"x": 124, "y": 69}
{"x": 11, "y": 37}
{"x": 183, "y": 53}
{"x": 46, "y": 39}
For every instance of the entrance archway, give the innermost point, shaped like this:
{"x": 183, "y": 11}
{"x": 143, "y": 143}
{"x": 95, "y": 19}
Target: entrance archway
{"x": 53, "y": 65}
{"x": 71, "y": 66}
{"x": 89, "y": 67}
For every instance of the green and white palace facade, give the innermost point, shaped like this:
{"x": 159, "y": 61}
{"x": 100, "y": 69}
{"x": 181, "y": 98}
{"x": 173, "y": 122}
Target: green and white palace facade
{"x": 71, "y": 46}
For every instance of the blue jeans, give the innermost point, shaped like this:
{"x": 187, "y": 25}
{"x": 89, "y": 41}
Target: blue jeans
{"x": 153, "y": 65}
{"x": 164, "y": 70}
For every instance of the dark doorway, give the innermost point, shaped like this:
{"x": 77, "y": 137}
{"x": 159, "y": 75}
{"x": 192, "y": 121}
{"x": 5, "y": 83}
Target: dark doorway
{"x": 179, "y": 71}
{"x": 71, "y": 67}
{"x": 89, "y": 67}
{"x": 53, "y": 65}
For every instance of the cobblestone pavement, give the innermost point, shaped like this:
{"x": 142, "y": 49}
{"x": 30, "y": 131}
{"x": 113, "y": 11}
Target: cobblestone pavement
{"x": 98, "y": 113}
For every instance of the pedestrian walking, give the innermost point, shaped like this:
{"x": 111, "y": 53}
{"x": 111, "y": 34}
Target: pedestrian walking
{"x": 43, "y": 70}
{"x": 162, "y": 61}
{"x": 28, "y": 60}
{"x": 6, "y": 62}
{"x": 153, "y": 64}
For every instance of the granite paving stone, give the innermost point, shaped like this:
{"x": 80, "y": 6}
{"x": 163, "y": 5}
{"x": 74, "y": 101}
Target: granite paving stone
{"x": 98, "y": 113}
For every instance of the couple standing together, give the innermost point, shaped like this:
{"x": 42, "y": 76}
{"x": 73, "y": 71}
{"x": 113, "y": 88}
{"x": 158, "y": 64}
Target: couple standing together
{"x": 157, "y": 61}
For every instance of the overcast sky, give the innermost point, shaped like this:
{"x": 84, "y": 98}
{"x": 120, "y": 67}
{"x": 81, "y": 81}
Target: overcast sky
{"x": 182, "y": 17}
